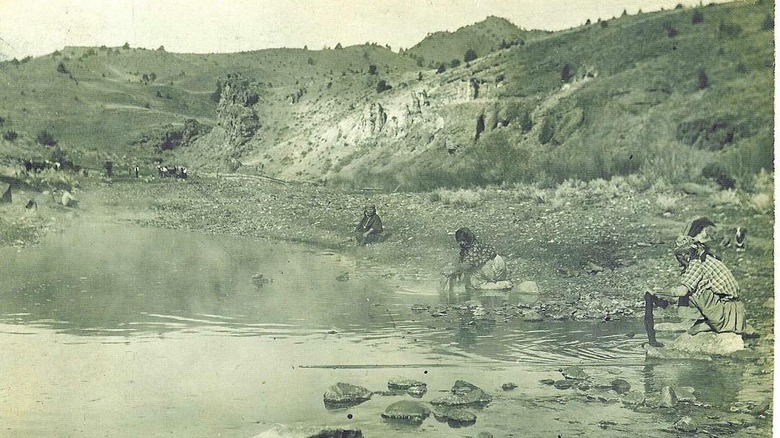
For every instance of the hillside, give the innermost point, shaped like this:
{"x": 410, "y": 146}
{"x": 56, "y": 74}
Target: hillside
{"x": 665, "y": 95}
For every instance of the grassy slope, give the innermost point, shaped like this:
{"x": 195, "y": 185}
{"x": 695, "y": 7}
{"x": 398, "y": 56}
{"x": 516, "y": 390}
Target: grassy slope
{"x": 632, "y": 88}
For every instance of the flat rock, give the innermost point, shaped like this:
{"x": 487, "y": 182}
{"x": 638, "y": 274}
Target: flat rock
{"x": 282, "y": 431}
{"x": 407, "y": 411}
{"x": 455, "y": 416}
{"x": 344, "y": 395}
{"x": 709, "y": 343}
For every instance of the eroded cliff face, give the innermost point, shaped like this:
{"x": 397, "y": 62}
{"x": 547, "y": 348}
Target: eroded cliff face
{"x": 323, "y": 136}
{"x": 235, "y": 111}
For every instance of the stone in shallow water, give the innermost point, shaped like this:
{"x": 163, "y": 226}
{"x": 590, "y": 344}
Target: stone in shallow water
{"x": 282, "y": 431}
{"x": 668, "y": 398}
{"x": 415, "y": 388}
{"x": 633, "y": 398}
{"x": 685, "y": 424}
{"x": 574, "y": 373}
{"x": 455, "y": 416}
{"x": 407, "y": 411}
{"x": 344, "y": 395}
{"x": 464, "y": 394}
{"x": 621, "y": 386}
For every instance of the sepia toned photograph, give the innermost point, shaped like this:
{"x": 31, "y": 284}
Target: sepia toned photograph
{"x": 387, "y": 218}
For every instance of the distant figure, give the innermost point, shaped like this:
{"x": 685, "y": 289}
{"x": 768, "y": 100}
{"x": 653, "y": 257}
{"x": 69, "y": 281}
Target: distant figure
{"x": 137, "y": 171}
{"x": 369, "y": 230}
{"x": 109, "y": 166}
{"x": 479, "y": 264}
{"x": 704, "y": 231}
{"x": 740, "y": 235}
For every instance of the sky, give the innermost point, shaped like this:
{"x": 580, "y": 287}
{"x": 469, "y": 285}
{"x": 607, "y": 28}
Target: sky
{"x": 39, "y": 27}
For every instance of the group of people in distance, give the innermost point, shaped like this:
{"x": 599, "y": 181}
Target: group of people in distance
{"x": 705, "y": 282}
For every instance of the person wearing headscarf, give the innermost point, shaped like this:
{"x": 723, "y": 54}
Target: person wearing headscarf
{"x": 480, "y": 265}
{"x": 369, "y": 229}
{"x": 710, "y": 287}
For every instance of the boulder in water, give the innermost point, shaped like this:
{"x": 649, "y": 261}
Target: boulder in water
{"x": 455, "y": 416}
{"x": 709, "y": 343}
{"x": 345, "y": 395}
{"x": 464, "y": 394}
{"x": 415, "y": 388}
{"x": 407, "y": 411}
{"x": 668, "y": 398}
{"x": 282, "y": 431}
{"x": 574, "y": 373}
{"x": 686, "y": 424}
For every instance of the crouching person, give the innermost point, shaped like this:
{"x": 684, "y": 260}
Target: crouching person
{"x": 479, "y": 264}
{"x": 369, "y": 230}
{"x": 710, "y": 287}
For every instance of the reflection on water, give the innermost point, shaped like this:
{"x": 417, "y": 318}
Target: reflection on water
{"x": 157, "y": 332}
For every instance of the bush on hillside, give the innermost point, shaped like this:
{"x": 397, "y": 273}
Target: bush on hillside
{"x": 548, "y": 130}
{"x": 62, "y": 69}
{"x": 567, "y": 72}
{"x": 769, "y": 23}
{"x": 454, "y": 63}
{"x": 729, "y": 30}
{"x": 671, "y": 32}
{"x": 721, "y": 176}
{"x": 442, "y": 68}
{"x": 45, "y": 138}
{"x": 697, "y": 17}
{"x": 10, "y": 135}
{"x": 469, "y": 56}
{"x": 382, "y": 85}
{"x": 702, "y": 80}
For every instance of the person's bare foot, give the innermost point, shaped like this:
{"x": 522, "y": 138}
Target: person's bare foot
{"x": 699, "y": 327}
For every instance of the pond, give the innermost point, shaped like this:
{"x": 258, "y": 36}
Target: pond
{"x": 116, "y": 330}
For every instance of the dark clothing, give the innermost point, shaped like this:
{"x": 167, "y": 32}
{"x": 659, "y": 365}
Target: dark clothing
{"x": 369, "y": 222}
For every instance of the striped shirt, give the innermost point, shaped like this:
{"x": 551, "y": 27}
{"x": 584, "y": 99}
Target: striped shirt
{"x": 711, "y": 273}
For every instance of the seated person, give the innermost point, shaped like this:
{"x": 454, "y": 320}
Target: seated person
{"x": 710, "y": 287}
{"x": 369, "y": 230}
{"x": 479, "y": 264}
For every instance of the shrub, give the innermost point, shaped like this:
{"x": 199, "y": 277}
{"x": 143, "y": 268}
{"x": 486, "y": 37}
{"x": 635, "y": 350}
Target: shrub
{"x": 548, "y": 130}
{"x": 729, "y": 30}
{"x": 762, "y": 203}
{"x": 454, "y": 63}
{"x": 45, "y": 138}
{"x": 382, "y": 86}
{"x": 442, "y": 68}
{"x": 470, "y": 55}
{"x": 719, "y": 174}
{"x": 217, "y": 94}
{"x": 727, "y": 197}
{"x": 62, "y": 69}
{"x": 671, "y": 32}
{"x": 372, "y": 70}
{"x": 10, "y": 135}
{"x": 769, "y": 23}
{"x": 702, "y": 81}
{"x": 567, "y": 72}
{"x": 460, "y": 198}
{"x": 666, "y": 203}
{"x": 697, "y": 17}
